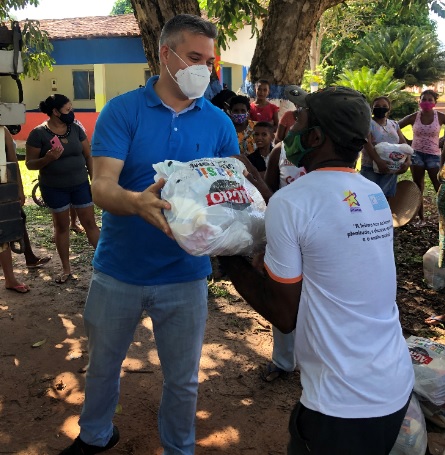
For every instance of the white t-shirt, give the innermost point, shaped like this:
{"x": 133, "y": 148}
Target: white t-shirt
{"x": 333, "y": 229}
{"x": 381, "y": 133}
{"x": 288, "y": 171}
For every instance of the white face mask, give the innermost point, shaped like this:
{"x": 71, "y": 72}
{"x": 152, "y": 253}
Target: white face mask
{"x": 192, "y": 80}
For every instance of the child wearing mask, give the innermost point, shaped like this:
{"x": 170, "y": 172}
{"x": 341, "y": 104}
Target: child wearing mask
{"x": 262, "y": 110}
{"x": 382, "y": 130}
{"x": 239, "y": 110}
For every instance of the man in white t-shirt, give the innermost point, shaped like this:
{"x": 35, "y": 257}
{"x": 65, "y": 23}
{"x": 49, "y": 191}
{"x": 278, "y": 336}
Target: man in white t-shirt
{"x": 330, "y": 274}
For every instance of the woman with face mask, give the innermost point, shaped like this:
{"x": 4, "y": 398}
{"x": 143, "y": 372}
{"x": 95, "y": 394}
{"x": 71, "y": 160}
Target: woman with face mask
{"x": 59, "y": 150}
{"x": 426, "y": 124}
{"x": 239, "y": 112}
{"x": 382, "y": 130}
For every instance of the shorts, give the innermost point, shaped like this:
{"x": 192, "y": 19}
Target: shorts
{"x": 425, "y": 160}
{"x": 314, "y": 433}
{"x": 387, "y": 182}
{"x": 61, "y": 199}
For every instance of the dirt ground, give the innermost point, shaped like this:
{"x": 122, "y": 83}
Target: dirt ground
{"x": 43, "y": 358}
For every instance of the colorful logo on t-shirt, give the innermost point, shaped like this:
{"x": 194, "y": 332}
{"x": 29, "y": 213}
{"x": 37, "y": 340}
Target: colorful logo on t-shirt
{"x": 378, "y": 201}
{"x": 351, "y": 199}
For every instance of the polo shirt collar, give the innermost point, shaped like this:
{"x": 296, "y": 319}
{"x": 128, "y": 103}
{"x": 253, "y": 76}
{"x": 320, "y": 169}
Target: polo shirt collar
{"x": 154, "y": 100}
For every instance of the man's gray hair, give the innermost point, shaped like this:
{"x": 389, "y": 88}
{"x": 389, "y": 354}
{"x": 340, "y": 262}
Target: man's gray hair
{"x": 172, "y": 31}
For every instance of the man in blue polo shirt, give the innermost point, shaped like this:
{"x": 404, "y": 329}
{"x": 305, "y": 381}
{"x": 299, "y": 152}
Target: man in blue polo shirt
{"x": 137, "y": 265}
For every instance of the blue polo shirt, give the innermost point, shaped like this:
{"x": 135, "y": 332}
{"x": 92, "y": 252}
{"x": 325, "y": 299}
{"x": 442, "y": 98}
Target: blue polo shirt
{"x": 139, "y": 129}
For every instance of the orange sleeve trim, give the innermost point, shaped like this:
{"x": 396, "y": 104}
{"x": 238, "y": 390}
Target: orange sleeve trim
{"x": 282, "y": 280}
{"x": 341, "y": 169}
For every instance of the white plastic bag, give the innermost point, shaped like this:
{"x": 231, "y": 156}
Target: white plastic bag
{"x": 433, "y": 274}
{"x": 428, "y": 359}
{"x": 412, "y": 438}
{"x": 215, "y": 210}
{"x": 395, "y": 154}
{"x": 433, "y": 413}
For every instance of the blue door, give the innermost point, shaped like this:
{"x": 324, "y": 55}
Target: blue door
{"x": 227, "y": 77}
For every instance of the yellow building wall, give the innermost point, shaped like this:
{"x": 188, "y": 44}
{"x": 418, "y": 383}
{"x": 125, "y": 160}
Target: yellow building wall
{"x": 123, "y": 78}
{"x": 119, "y": 78}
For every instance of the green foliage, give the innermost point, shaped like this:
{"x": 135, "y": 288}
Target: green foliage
{"x": 371, "y": 83}
{"x": 318, "y": 76}
{"x": 36, "y": 53}
{"x": 374, "y": 15}
{"x": 402, "y": 104}
{"x": 121, "y": 7}
{"x": 396, "y": 13}
{"x": 414, "y": 54}
{"x": 7, "y": 5}
{"x": 232, "y": 16}
{"x": 409, "y": 6}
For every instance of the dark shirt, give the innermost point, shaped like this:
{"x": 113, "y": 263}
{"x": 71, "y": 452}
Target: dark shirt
{"x": 70, "y": 169}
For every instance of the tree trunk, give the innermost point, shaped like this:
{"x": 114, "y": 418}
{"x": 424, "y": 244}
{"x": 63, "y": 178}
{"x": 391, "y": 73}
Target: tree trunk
{"x": 282, "y": 51}
{"x": 313, "y": 52}
{"x": 151, "y": 16}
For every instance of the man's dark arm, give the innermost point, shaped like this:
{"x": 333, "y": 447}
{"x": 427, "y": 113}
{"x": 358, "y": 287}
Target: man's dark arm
{"x": 277, "y": 302}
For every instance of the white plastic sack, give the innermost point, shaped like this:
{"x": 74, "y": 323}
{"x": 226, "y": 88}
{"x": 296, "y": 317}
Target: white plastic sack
{"x": 433, "y": 413}
{"x": 428, "y": 360}
{"x": 433, "y": 274}
{"x": 412, "y": 438}
{"x": 215, "y": 210}
{"x": 395, "y": 154}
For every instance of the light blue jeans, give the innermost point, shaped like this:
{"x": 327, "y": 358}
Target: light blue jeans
{"x": 283, "y": 353}
{"x": 112, "y": 312}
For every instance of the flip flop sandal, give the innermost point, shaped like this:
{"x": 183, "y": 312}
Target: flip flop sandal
{"x": 272, "y": 372}
{"x": 77, "y": 229}
{"x": 64, "y": 277}
{"x": 435, "y": 320}
{"x": 40, "y": 262}
{"x": 20, "y": 288}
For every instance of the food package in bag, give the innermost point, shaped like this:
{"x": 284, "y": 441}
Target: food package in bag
{"x": 215, "y": 210}
{"x": 394, "y": 154}
{"x": 412, "y": 438}
{"x": 433, "y": 413}
{"x": 428, "y": 359}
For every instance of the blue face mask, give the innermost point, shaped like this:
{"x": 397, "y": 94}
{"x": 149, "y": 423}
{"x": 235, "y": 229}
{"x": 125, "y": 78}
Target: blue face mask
{"x": 295, "y": 151}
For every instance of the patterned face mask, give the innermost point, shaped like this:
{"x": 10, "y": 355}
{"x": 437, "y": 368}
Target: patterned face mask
{"x": 239, "y": 118}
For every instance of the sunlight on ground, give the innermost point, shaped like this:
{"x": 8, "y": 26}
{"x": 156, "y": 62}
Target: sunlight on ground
{"x": 153, "y": 357}
{"x": 60, "y": 391}
{"x": 132, "y": 365}
{"x": 221, "y": 439}
{"x": 68, "y": 325}
{"x": 203, "y": 415}
{"x": 70, "y": 427}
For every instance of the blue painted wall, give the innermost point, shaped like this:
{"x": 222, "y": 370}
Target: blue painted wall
{"x": 98, "y": 50}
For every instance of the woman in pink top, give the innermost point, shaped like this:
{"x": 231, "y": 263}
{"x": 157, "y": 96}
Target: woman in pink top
{"x": 426, "y": 123}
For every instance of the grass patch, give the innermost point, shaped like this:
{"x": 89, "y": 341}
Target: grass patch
{"x": 429, "y": 188}
{"x": 28, "y": 178}
{"x": 218, "y": 291}
{"x": 40, "y": 225}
